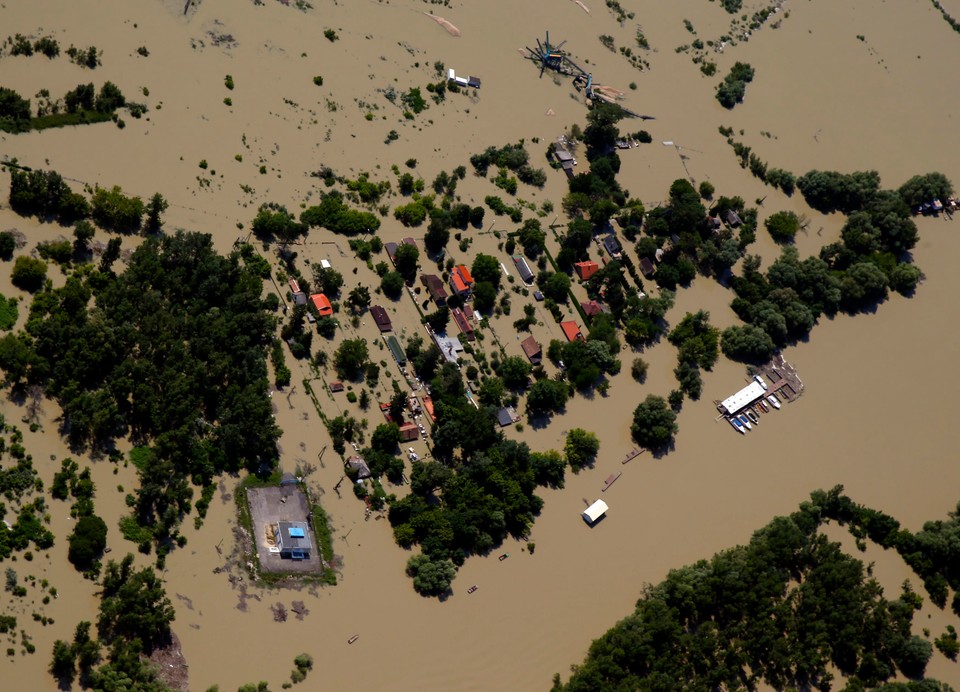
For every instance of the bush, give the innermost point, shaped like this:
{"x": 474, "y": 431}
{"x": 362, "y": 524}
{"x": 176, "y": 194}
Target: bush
{"x": 87, "y": 541}
{"x": 29, "y": 273}
{"x": 783, "y": 226}
{"x": 7, "y": 245}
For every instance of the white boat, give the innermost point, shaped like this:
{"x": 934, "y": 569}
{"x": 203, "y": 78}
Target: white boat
{"x": 745, "y": 421}
{"x": 774, "y": 401}
{"x": 760, "y": 381}
{"x": 738, "y": 426}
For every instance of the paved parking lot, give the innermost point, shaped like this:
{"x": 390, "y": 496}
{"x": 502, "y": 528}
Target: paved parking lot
{"x": 271, "y": 505}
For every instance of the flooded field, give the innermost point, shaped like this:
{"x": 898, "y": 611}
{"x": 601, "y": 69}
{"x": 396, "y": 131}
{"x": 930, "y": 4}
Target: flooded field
{"x": 876, "y": 416}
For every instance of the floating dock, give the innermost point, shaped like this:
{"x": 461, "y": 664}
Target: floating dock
{"x": 611, "y": 479}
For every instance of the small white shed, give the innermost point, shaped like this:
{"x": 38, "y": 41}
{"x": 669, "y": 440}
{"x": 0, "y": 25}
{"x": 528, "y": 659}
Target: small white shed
{"x": 593, "y": 513}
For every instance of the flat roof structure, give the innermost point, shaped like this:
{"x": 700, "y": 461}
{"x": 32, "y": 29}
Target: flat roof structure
{"x": 398, "y": 354}
{"x": 593, "y": 513}
{"x": 449, "y": 346}
{"x": 293, "y": 539}
{"x": 743, "y": 398}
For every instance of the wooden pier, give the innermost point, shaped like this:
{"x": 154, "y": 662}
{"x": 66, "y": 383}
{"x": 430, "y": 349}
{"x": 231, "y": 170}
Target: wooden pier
{"x": 632, "y": 454}
{"x": 611, "y": 479}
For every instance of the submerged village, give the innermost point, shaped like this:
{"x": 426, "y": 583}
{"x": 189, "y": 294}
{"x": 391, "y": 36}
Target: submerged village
{"x": 412, "y": 327}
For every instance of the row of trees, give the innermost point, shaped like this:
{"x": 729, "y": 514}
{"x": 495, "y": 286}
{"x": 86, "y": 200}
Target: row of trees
{"x": 46, "y": 195}
{"x": 788, "y": 610}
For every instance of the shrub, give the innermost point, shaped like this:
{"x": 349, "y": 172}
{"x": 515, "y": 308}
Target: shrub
{"x": 29, "y": 273}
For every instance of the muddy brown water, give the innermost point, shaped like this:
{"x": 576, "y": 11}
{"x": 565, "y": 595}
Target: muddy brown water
{"x": 877, "y": 414}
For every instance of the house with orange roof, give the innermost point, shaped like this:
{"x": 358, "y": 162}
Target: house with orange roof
{"x": 461, "y": 280}
{"x": 322, "y": 304}
{"x": 586, "y": 269}
{"x": 571, "y": 330}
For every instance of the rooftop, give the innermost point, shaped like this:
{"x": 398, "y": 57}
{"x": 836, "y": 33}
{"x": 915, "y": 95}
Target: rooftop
{"x": 571, "y": 330}
{"x": 744, "y": 397}
{"x": 532, "y": 349}
{"x": 382, "y": 319}
{"x": 322, "y": 304}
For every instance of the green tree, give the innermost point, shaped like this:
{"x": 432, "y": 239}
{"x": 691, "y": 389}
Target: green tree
{"x": 484, "y": 296}
{"x": 110, "y": 254}
{"x": 359, "y": 299}
{"x": 392, "y": 285}
{"x": 925, "y": 188}
{"x": 350, "y": 358}
{"x": 430, "y": 577}
{"x": 638, "y": 370}
{"x": 654, "y": 423}
{"x": 134, "y": 605}
{"x": 556, "y": 287}
{"x": 114, "y": 211}
{"x": 405, "y": 260}
{"x": 386, "y": 437}
{"x": 547, "y": 396}
{"x": 63, "y": 662}
{"x": 83, "y": 233}
{"x": 87, "y": 541}
{"x": 486, "y": 268}
{"x": 155, "y": 208}
{"x": 29, "y": 273}
{"x": 581, "y": 448}
{"x": 783, "y": 226}
{"x": 7, "y": 245}
{"x": 327, "y": 280}
{"x": 491, "y": 391}
{"x": 748, "y": 344}
{"x": 515, "y": 372}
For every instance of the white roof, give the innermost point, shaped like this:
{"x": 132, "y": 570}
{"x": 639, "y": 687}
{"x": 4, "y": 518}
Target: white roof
{"x": 595, "y": 511}
{"x": 451, "y": 74}
{"x": 326, "y": 264}
{"x": 744, "y": 397}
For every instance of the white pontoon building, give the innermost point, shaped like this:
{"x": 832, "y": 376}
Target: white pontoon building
{"x": 746, "y": 396}
{"x": 593, "y": 513}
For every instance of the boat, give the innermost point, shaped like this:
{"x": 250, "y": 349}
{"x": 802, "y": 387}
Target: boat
{"x": 352, "y": 639}
{"x": 753, "y": 417}
{"x": 472, "y": 588}
{"x": 763, "y": 406}
{"x": 774, "y": 401}
{"x": 737, "y": 425}
{"x": 745, "y": 421}
{"x": 760, "y": 381}
{"x": 504, "y": 557}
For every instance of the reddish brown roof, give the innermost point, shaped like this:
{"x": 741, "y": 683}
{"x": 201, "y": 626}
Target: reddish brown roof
{"x": 409, "y": 431}
{"x": 532, "y": 349}
{"x": 381, "y": 317}
{"x": 591, "y": 308}
{"x": 435, "y": 287}
{"x": 463, "y": 323}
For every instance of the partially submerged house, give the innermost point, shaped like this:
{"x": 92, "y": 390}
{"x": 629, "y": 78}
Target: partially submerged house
{"x": 571, "y": 330}
{"x": 381, "y": 318}
{"x": 591, "y": 308}
{"x": 463, "y": 324}
{"x": 732, "y": 218}
{"x": 461, "y": 280}
{"x": 299, "y": 297}
{"x": 293, "y": 539}
{"x": 594, "y": 512}
{"x": 507, "y": 415}
{"x": 409, "y": 431}
{"x": 532, "y": 350}
{"x": 336, "y": 386}
{"x": 613, "y": 246}
{"x": 358, "y": 464}
{"x": 586, "y": 269}
{"x": 646, "y": 267}
{"x": 322, "y": 304}
{"x": 435, "y": 288}
{"x": 523, "y": 269}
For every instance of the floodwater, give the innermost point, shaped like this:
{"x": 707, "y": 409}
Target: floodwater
{"x": 876, "y": 415}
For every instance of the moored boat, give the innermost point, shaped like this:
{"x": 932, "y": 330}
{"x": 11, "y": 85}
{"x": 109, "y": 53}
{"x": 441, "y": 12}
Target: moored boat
{"x": 753, "y": 417}
{"x": 774, "y": 401}
{"x": 745, "y": 421}
{"x": 763, "y": 406}
{"x": 737, "y": 425}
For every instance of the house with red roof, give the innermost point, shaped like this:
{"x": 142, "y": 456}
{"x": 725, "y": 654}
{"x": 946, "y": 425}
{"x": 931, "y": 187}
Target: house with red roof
{"x": 463, "y": 324}
{"x": 571, "y": 330}
{"x": 586, "y": 269}
{"x": 322, "y": 304}
{"x": 461, "y": 280}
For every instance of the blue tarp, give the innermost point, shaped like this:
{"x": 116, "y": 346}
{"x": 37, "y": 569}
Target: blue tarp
{"x": 296, "y": 532}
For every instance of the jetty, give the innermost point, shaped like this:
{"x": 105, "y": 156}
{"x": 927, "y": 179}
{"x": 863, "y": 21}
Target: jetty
{"x": 632, "y": 454}
{"x": 611, "y": 479}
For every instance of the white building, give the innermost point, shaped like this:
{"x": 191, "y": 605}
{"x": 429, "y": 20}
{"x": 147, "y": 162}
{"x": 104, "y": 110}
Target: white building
{"x": 593, "y": 513}
{"x": 746, "y": 396}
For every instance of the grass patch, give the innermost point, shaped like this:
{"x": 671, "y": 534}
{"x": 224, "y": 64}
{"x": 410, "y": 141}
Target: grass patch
{"x": 141, "y": 457}
{"x": 8, "y": 312}
{"x": 132, "y": 531}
